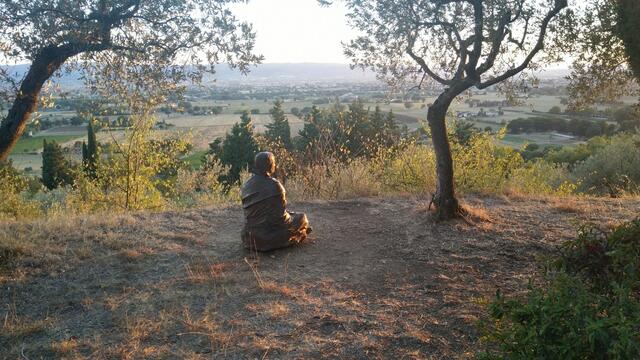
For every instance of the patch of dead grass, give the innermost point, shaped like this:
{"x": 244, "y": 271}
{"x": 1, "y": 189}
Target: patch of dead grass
{"x": 17, "y": 327}
{"x": 65, "y": 347}
{"x": 199, "y": 273}
{"x": 568, "y": 205}
{"x": 272, "y": 309}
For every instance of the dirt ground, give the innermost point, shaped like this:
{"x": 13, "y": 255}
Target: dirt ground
{"x": 378, "y": 279}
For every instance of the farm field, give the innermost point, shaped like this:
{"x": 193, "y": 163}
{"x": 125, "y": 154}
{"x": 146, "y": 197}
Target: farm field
{"x": 519, "y": 140}
{"x": 34, "y": 144}
{"x": 203, "y": 129}
{"x": 27, "y": 153}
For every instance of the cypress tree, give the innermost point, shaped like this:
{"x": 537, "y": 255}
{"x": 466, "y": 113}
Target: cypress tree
{"x": 85, "y": 154}
{"x": 392, "y": 133}
{"x": 357, "y": 129}
{"x": 310, "y": 132}
{"x": 238, "y": 149}
{"x": 279, "y": 129}
{"x": 55, "y": 168}
{"x": 47, "y": 169}
{"x": 90, "y": 152}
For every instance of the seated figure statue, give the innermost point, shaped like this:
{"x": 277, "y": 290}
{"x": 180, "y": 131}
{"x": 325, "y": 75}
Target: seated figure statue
{"x": 268, "y": 225}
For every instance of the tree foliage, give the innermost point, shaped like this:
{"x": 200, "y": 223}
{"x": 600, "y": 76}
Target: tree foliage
{"x": 279, "y": 129}
{"x": 347, "y": 134}
{"x": 602, "y": 37}
{"x": 458, "y": 44}
{"x": 90, "y": 152}
{"x": 56, "y": 169}
{"x": 237, "y": 150}
{"x": 628, "y": 29}
{"x": 103, "y": 38}
{"x": 600, "y": 70}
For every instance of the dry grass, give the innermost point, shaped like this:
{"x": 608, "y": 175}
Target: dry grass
{"x": 18, "y": 327}
{"x": 377, "y": 280}
{"x": 207, "y": 272}
{"x": 67, "y": 347}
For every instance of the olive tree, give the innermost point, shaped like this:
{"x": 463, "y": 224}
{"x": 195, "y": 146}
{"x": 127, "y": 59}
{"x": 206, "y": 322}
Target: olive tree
{"x": 602, "y": 39}
{"x": 150, "y": 42}
{"x": 627, "y": 29}
{"x": 458, "y": 44}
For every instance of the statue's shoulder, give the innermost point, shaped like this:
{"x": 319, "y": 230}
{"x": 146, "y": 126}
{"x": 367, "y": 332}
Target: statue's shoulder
{"x": 276, "y": 184}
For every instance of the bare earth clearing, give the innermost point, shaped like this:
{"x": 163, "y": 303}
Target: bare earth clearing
{"x": 378, "y": 280}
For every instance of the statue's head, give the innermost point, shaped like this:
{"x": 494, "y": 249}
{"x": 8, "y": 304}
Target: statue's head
{"x": 265, "y": 163}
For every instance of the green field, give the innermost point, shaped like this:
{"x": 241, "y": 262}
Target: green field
{"x": 195, "y": 159}
{"x": 34, "y": 144}
{"x": 200, "y": 130}
{"x": 519, "y": 140}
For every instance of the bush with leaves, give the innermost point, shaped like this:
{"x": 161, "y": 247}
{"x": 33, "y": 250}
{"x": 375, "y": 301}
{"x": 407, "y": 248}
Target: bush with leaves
{"x": 203, "y": 186}
{"x": 605, "y": 260}
{"x": 137, "y": 173}
{"x": 411, "y": 170}
{"x": 15, "y": 199}
{"x": 482, "y": 166}
{"x": 540, "y": 177}
{"x": 587, "y": 307}
{"x": 612, "y": 169}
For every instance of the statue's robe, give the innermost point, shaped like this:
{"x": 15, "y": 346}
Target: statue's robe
{"x": 268, "y": 225}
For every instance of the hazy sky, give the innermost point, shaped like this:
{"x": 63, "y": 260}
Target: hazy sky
{"x": 297, "y": 30}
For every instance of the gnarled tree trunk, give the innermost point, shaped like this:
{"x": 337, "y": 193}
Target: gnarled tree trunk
{"x": 445, "y": 201}
{"x": 45, "y": 64}
{"x": 628, "y": 27}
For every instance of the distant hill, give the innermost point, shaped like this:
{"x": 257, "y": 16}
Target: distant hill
{"x": 273, "y": 73}
{"x": 293, "y": 72}
{"x": 263, "y": 73}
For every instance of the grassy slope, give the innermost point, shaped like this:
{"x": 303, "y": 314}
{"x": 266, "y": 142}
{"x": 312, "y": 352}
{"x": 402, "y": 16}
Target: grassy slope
{"x": 378, "y": 280}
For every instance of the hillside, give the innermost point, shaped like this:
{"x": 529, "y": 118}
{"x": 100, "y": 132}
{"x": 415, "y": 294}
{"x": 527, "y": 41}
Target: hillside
{"x": 270, "y": 72}
{"x": 378, "y": 280}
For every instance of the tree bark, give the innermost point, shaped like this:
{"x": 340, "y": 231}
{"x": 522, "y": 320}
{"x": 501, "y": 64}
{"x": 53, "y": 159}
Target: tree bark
{"x": 627, "y": 29}
{"x": 445, "y": 201}
{"x": 47, "y": 62}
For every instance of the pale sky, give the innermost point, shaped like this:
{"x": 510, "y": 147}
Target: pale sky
{"x": 294, "y": 31}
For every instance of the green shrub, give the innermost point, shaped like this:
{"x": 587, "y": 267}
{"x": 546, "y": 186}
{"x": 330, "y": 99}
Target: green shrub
{"x": 15, "y": 195}
{"x": 564, "y": 321}
{"x": 540, "y": 177}
{"x": 481, "y": 166}
{"x": 588, "y": 306}
{"x": 411, "y": 170}
{"x": 604, "y": 260}
{"x": 612, "y": 169}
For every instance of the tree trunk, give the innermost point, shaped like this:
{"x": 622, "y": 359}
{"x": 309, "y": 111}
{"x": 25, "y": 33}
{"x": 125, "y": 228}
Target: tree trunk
{"x": 447, "y": 206}
{"x": 627, "y": 29}
{"x": 44, "y": 65}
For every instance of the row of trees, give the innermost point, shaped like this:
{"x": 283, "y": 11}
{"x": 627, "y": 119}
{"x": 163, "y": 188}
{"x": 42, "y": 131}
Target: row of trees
{"x": 58, "y": 171}
{"x": 458, "y": 44}
{"x": 337, "y": 133}
{"x": 578, "y": 127}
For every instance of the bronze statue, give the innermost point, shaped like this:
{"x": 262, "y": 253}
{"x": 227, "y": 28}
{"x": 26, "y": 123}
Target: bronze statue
{"x": 268, "y": 225}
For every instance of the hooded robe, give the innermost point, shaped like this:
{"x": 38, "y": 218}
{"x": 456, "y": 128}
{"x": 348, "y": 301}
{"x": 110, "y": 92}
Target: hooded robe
{"x": 268, "y": 225}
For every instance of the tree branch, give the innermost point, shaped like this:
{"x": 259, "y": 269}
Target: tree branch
{"x": 559, "y": 5}
{"x": 423, "y": 64}
{"x": 498, "y": 38}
